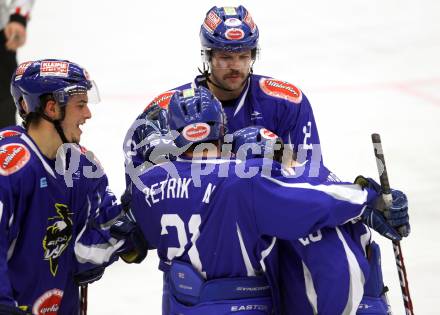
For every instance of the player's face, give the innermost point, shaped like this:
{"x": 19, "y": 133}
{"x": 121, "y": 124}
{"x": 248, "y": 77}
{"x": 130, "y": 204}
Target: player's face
{"x": 230, "y": 69}
{"x": 77, "y": 112}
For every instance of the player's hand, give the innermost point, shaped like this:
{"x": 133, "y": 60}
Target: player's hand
{"x": 397, "y": 215}
{"x": 12, "y": 310}
{"x": 126, "y": 199}
{"x": 15, "y": 35}
{"x": 376, "y": 220}
{"x": 391, "y": 222}
{"x": 135, "y": 248}
{"x": 155, "y": 141}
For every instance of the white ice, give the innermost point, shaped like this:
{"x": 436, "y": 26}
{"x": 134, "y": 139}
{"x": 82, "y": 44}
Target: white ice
{"x": 366, "y": 66}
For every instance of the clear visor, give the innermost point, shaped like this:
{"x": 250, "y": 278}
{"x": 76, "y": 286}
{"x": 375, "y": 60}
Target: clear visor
{"x": 224, "y": 59}
{"x": 92, "y": 92}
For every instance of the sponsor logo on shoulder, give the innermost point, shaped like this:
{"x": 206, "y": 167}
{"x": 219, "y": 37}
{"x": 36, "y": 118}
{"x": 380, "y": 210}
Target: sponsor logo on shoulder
{"x": 9, "y": 133}
{"x": 13, "y": 157}
{"x": 54, "y": 68}
{"x": 163, "y": 100}
{"x": 281, "y": 89}
{"x": 234, "y": 34}
{"x": 48, "y": 303}
{"x": 211, "y": 22}
{"x": 196, "y": 132}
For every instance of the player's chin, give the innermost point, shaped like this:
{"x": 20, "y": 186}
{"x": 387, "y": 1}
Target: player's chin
{"x": 75, "y": 137}
{"x": 234, "y": 83}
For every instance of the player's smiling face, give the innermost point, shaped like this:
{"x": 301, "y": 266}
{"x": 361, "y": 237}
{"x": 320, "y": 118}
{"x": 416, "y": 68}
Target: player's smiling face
{"x": 77, "y": 112}
{"x": 230, "y": 69}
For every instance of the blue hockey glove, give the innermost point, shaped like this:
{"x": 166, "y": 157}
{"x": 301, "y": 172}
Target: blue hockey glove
{"x": 392, "y": 222}
{"x": 376, "y": 220}
{"x": 12, "y": 310}
{"x": 89, "y": 276}
{"x": 397, "y": 214}
{"x": 154, "y": 139}
{"x": 135, "y": 248}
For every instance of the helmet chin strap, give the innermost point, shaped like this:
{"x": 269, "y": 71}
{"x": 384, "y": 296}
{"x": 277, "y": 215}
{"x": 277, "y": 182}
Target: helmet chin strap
{"x": 60, "y": 131}
{"x": 57, "y": 124}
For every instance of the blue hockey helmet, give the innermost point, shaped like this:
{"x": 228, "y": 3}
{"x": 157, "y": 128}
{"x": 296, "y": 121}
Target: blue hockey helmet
{"x": 261, "y": 141}
{"x": 16, "y": 93}
{"x": 229, "y": 28}
{"x": 60, "y": 78}
{"x": 197, "y": 115}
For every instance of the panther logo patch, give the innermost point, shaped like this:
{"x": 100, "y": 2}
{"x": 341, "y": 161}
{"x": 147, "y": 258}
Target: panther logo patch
{"x": 57, "y": 236}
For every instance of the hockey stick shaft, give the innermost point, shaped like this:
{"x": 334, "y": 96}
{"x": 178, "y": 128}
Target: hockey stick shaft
{"x": 384, "y": 182}
{"x": 83, "y": 299}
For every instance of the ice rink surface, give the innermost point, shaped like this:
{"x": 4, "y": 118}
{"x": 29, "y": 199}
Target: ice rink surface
{"x": 366, "y": 66}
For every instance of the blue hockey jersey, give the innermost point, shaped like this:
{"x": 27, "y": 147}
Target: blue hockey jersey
{"x": 310, "y": 268}
{"x": 274, "y": 104}
{"x": 203, "y": 213}
{"x": 46, "y": 228}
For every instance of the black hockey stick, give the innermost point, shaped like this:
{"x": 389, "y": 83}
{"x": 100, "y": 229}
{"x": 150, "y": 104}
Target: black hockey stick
{"x": 83, "y": 299}
{"x": 398, "y": 255}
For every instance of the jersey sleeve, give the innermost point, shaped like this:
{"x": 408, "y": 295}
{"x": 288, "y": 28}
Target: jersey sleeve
{"x": 6, "y": 296}
{"x": 290, "y": 210}
{"x": 94, "y": 244}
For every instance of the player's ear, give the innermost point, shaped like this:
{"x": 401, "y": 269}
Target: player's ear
{"x": 51, "y": 109}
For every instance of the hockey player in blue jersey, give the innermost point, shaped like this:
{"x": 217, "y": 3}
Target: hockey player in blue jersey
{"x": 329, "y": 255}
{"x": 50, "y": 236}
{"x": 215, "y": 229}
{"x": 229, "y": 39}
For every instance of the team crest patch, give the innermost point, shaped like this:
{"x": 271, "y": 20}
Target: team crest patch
{"x": 13, "y": 157}
{"x": 211, "y": 22}
{"x": 58, "y": 236}
{"x": 267, "y": 134}
{"x": 196, "y": 132}
{"x": 234, "y": 34}
{"x": 9, "y": 133}
{"x": 281, "y": 89}
{"x": 48, "y": 303}
{"x": 163, "y": 100}
{"x": 54, "y": 68}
